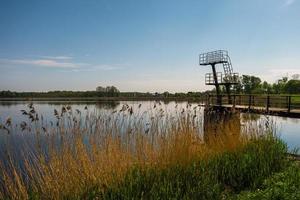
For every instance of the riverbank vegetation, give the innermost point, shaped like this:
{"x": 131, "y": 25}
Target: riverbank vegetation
{"x": 254, "y": 85}
{"x": 283, "y": 185}
{"x": 247, "y": 85}
{"x": 133, "y": 153}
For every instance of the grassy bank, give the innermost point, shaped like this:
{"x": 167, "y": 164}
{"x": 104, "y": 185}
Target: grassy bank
{"x": 217, "y": 177}
{"x": 284, "y": 185}
{"x": 259, "y": 170}
{"x": 136, "y": 154}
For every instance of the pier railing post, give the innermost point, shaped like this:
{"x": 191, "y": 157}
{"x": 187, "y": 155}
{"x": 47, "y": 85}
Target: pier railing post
{"x": 240, "y": 100}
{"x": 234, "y": 99}
{"x": 289, "y": 104}
{"x": 249, "y": 102}
{"x": 268, "y": 103}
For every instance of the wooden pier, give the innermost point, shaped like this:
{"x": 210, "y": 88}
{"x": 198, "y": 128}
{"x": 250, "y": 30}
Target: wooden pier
{"x": 287, "y": 105}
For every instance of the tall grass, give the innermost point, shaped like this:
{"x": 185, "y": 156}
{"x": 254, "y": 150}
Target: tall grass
{"x": 134, "y": 153}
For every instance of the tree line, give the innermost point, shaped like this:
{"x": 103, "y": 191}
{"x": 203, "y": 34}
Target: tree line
{"x": 254, "y": 85}
{"x": 246, "y": 85}
{"x": 95, "y": 94}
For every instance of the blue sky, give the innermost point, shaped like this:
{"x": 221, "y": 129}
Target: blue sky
{"x": 142, "y": 45}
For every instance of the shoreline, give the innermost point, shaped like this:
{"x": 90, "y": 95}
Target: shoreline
{"x": 195, "y": 99}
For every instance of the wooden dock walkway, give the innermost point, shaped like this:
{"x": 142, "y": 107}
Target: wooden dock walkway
{"x": 262, "y": 110}
{"x": 288, "y": 106}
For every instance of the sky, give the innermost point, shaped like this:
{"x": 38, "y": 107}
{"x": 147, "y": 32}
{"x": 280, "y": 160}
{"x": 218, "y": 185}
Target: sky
{"x": 142, "y": 45}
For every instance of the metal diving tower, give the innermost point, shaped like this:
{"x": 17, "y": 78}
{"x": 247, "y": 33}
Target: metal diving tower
{"x": 227, "y": 78}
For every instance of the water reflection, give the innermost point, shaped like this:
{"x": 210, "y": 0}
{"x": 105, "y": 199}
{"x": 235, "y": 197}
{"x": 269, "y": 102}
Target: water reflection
{"x": 246, "y": 117}
{"x": 286, "y": 128}
{"x": 107, "y": 105}
{"x": 221, "y": 123}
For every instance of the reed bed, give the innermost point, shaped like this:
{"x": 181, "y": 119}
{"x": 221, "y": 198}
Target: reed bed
{"x": 135, "y": 153}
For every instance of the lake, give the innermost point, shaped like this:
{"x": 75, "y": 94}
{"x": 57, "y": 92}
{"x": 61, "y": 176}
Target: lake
{"x": 285, "y": 128}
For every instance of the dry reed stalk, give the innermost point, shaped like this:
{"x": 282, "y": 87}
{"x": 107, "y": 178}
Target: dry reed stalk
{"x": 79, "y": 164}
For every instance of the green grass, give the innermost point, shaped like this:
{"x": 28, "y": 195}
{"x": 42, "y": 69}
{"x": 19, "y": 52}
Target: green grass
{"x": 295, "y": 99}
{"x": 218, "y": 177}
{"x": 284, "y": 185}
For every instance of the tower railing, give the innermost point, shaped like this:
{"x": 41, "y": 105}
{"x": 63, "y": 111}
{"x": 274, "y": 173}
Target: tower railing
{"x": 222, "y": 78}
{"x": 209, "y": 78}
{"x": 217, "y": 78}
{"x": 214, "y": 57}
{"x": 232, "y": 78}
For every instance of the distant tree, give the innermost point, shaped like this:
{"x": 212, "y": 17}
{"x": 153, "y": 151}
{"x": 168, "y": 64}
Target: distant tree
{"x": 266, "y": 87}
{"x": 292, "y": 87}
{"x": 107, "y": 91}
{"x": 284, "y": 79}
{"x": 237, "y": 88}
{"x": 250, "y": 84}
{"x": 112, "y": 89}
{"x": 179, "y": 94}
{"x": 101, "y": 89}
{"x": 279, "y": 86}
{"x": 276, "y": 88}
{"x": 166, "y": 94}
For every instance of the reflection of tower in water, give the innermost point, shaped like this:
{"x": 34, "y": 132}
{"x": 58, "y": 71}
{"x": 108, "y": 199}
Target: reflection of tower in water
{"x": 221, "y": 125}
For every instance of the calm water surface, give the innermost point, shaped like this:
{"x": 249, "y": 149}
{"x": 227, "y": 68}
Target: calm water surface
{"x": 287, "y": 128}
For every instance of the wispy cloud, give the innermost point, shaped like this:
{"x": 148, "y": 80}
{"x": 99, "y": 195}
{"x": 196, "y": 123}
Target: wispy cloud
{"x": 284, "y": 72}
{"x": 64, "y": 62}
{"x": 58, "y": 57}
{"x": 42, "y": 63}
{"x": 94, "y": 68}
{"x": 289, "y": 2}
{"x": 108, "y": 67}
{"x": 275, "y": 74}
